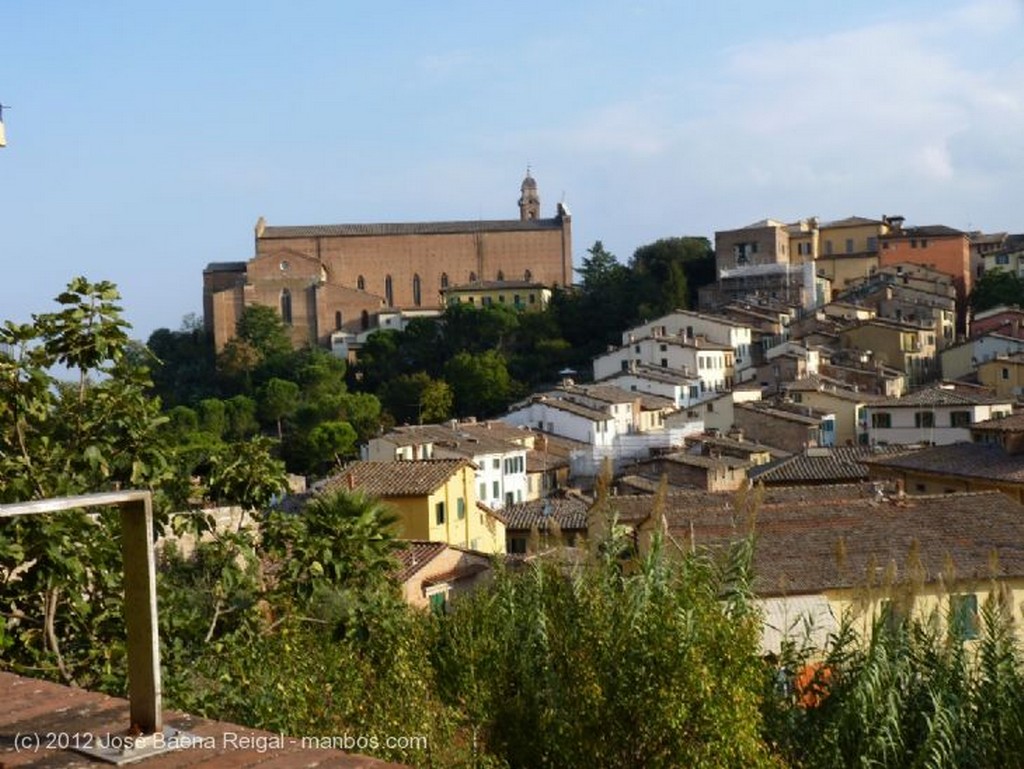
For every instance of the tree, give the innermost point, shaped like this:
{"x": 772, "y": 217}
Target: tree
{"x": 184, "y": 371}
{"x": 98, "y": 432}
{"x": 263, "y": 328}
{"x": 279, "y": 398}
{"x": 417, "y": 399}
{"x": 329, "y": 443}
{"x": 480, "y": 383}
{"x": 341, "y": 541}
{"x": 670, "y": 270}
{"x": 997, "y": 287}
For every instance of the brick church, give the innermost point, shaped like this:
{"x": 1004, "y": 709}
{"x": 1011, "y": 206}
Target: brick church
{"x": 339, "y": 277}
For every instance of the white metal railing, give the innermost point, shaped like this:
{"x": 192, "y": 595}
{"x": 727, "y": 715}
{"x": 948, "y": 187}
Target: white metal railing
{"x": 144, "y": 695}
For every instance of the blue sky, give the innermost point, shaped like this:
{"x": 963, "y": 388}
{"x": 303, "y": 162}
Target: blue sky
{"x": 145, "y": 138}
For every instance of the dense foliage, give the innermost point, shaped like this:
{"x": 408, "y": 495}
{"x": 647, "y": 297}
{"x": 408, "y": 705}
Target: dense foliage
{"x": 473, "y": 361}
{"x": 997, "y": 287}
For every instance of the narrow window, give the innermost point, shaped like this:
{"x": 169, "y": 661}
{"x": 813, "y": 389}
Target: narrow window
{"x": 444, "y": 280}
{"x": 501, "y": 275}
{"x": 416, "y": 294}
{"x": 361, "y": 283}
{"x": 365, "y": 320}
{"x": 337, "y": 320}
{"x": 472, "y": 277}
{"x": 439, "y": 513}
{"x": 389, "y": 293}
{"x": 286, "y": 306}
{"x": 527, "y": 276}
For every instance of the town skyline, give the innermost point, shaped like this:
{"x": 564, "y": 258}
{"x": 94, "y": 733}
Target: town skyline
{"x": 140, "y": 140}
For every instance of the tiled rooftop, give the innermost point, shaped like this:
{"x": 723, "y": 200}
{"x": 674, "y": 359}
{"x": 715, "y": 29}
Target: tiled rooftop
{"x": 655, "y": 374}
{"x": 569, "y": 511}
{"x": 466, "y": 439}
{"x": 841, "y": 464}
{"x": 593, "y": 415}
{"x": 395, "y": 479}
{"x": 966, "y": 460}
{"x": 940, "y": 396}
{"x": 833, "y": 387}
{"x": 414, "y": 555}
{"x": 733, "y": 446}
{"x": 1011, "y": 424}
{"x": 32, "y": 707}
{"x": 797, "y": 549}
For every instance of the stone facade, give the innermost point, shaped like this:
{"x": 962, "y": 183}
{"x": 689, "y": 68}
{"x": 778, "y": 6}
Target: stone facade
{"x": 327, "y": 278}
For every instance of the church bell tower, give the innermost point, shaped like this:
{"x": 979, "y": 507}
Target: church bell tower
{"x": 529, "y": 200}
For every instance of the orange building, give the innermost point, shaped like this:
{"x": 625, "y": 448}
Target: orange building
{"x": 936, "y": 246}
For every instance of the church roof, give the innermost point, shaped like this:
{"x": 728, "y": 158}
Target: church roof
{"x": 409, "y": 228}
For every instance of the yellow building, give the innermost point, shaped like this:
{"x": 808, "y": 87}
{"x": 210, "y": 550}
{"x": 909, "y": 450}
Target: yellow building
{"x": 909, "y": 348}
{"x": 1005, "y": 375}
{"x": 435, "y": 500}
{"x": 517, "y": 294}
{"x": 833, "y": 397}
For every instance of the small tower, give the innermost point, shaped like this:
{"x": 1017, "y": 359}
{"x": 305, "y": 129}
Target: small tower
{"x": 529, "y": 200}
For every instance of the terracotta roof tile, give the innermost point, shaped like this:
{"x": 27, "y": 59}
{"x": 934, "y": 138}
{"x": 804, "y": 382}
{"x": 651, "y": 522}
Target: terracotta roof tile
{"x": 966, "y": 460}
{"x": 416, "y": 554}
{"x": 797, "y": 547}
{"x": 939, "y": 396}
{"x": 395, "y": 479}
{"x": 825, "y": 465}
{"x": 570, "y": 512}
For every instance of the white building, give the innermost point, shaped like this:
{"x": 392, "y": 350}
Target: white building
{"x": 689, "y": 325}
{"x": 936, "y": 415}
{"x": 712, "y": 365}
{"x": 683, "y": 390}
{"x": 615, "y": 424}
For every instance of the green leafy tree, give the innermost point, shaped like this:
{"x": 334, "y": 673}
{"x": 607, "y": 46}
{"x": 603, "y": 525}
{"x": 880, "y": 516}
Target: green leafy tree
{"x": 330, "y": 443}
{"x": 670, "y": 270}
{"x": 184, "y": 371}
{"x": 263, "y": 328}
{"x": 98, "y": 432}
{"x": 997, "y": 287}
{"x": 417, "y": 399}
{"x": 241, "y": 417}
{"x": 480, "y": 383}
{"x": 279, "y": 399}
{"x": 246, "y": 473}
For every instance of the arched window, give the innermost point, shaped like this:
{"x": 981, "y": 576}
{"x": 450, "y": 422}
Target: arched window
{"x": 416, "y": 290}
{"x": 472, "y": 277}
{"x": 366, "y": 320}
{"x": 361, "y": 283}
{"x": 337, "y": 320}
{"x": 286, "y": 306}
{"x": 444, "y": 280}
{"x": 527, "y": 276}
{"x": 389, "y": 292}
{"x": 501, "y": 275}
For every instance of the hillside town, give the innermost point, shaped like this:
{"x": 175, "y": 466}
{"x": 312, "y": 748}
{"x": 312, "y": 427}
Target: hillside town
{"x": 836, "y": 370}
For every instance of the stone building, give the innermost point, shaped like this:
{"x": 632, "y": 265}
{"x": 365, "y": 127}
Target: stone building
{"x": 328, "y": 278}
